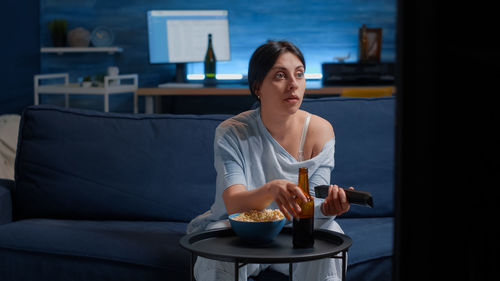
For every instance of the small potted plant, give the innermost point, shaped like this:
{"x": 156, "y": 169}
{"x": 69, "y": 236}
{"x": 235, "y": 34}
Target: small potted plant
{"x": 87, "y": 82}
{"x": 58, "y": 29}
{"x": 99, "y": 80}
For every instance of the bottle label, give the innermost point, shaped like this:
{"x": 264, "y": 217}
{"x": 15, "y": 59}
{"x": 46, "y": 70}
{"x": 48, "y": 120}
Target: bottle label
{"x": 307, "y": 208}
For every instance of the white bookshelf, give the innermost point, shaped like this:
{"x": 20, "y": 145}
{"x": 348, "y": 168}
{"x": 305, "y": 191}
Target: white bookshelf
{"x": 112, "y": 85}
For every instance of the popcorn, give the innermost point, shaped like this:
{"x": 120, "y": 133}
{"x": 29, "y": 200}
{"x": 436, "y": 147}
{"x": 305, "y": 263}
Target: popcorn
{"x": 260, "y": 216}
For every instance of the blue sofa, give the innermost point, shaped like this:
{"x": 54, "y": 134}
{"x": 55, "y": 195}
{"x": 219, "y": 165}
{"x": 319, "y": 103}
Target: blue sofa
{"x": 107, "y": 196}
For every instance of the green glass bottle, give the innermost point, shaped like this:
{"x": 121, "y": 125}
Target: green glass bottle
{"x": 210, "y": 61}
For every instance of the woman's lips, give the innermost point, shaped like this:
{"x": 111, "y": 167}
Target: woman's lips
{"x": 292, "y": 99}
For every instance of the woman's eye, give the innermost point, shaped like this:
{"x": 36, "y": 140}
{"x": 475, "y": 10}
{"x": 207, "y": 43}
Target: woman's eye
{"x": 279, "y": 75}
{"x": 300, "y": 74}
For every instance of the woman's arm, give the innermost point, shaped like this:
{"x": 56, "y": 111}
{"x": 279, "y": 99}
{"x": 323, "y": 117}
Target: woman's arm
{"x": 336, "y": 202}
{"x": 238, "y": 199}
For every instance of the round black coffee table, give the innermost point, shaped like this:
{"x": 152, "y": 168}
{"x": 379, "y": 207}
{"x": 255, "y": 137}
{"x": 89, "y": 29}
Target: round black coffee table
{"x": 224, "y": 245}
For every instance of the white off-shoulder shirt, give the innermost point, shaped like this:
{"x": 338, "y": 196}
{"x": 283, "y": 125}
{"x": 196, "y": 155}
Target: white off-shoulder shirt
{"x": 246, "y": 153}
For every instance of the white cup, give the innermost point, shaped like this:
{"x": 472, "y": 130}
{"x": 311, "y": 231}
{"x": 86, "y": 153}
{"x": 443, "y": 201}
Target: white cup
{"x": 113, "y": 71}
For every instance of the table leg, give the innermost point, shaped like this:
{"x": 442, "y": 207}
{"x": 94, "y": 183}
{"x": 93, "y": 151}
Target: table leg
{"x": 344, "y": 265}
{"x": 193, "y": 260}
{"x": 136, "y": 109}
{"x": 290, "y": 271}
{"x": 236, "y": 271}
{"x": 158, "y": 104}
{"x": 106, "y": 103}
{"x": 149, "y": 104}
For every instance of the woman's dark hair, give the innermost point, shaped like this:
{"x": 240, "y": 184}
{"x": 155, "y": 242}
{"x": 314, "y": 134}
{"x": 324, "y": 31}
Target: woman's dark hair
{"x": 264, "y": 58}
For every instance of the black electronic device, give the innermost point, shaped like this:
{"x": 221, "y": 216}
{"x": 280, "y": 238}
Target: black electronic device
{"x": 358, "y": 73}
{"x": 357, "y": 197}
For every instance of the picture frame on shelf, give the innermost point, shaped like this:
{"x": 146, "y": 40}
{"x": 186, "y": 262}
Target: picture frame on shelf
{"x": 370, "y": 44}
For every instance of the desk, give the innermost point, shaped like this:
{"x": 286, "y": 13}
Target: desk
{"x": 229, "y": 90}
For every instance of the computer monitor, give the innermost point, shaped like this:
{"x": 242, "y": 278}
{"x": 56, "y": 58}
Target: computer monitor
{"x": 181, "y": 36}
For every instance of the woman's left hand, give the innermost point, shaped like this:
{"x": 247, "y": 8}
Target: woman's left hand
{"x": 335, "y": 203}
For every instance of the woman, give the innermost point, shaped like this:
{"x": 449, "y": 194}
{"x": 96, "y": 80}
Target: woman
{"x": 257, "y": 157}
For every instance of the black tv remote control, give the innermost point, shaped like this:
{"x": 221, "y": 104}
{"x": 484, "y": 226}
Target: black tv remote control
{"x": 357, "y": 197}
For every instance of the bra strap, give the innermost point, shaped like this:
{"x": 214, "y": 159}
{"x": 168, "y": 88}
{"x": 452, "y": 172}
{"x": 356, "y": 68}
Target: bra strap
{"x": 303, "y": 138}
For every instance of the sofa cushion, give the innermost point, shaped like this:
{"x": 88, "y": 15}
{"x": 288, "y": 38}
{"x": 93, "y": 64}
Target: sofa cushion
{"x": 364, "y": 147}
{"x": 372, "y": 238}
{"x": 125, "y": 250}
{"x": 80, "y": 164}
{"x": 150, "y": 244}
{"x": 21, "y": 265}
{"x": 373, "y": 270}
{"x": 6, "y": 200}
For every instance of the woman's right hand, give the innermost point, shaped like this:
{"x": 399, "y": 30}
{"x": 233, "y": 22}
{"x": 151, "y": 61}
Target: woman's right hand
{"x": 284, "y": 194}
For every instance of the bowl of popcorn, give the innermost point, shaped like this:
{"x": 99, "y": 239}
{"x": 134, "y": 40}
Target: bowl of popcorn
{"x": 258, "y": 226}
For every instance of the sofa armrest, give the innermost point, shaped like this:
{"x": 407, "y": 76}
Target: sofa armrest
{"x": 6, "y": 186}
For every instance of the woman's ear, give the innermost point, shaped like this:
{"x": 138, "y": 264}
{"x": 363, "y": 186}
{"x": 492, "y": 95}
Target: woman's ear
{"x": 256, "y": 89}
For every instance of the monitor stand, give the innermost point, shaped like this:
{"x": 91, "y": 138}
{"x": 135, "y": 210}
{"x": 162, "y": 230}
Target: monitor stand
{"x": 180, "y": 80}
{"x": 180, "y": 73}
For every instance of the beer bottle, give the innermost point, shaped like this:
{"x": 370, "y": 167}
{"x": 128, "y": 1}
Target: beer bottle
{"x": 210, "y": 61}
{"x": 303, "y": 224}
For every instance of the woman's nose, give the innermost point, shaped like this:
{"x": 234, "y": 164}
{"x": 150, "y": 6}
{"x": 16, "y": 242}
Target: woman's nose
{"x": 293, "y": 83}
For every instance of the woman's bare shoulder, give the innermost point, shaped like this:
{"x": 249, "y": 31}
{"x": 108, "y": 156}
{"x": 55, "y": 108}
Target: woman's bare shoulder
{"x": 321, "y": 128}
{"x": 319, "y": 133}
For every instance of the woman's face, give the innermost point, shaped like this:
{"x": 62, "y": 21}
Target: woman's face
{"x": 284, "y": 85}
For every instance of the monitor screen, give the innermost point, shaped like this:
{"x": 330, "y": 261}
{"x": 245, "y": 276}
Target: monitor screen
{"x": 180, "y": 36}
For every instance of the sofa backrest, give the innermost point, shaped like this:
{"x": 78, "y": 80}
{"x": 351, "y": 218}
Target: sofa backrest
{"x": 364, "y": 147}
{"x": 79, "y": 164}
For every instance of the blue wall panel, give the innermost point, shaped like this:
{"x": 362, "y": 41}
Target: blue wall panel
{"x": 19, "y": 54}
{"x": 322, "y": 30}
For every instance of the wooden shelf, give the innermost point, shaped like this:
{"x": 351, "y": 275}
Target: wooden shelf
{"x": 62, "y": 50}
